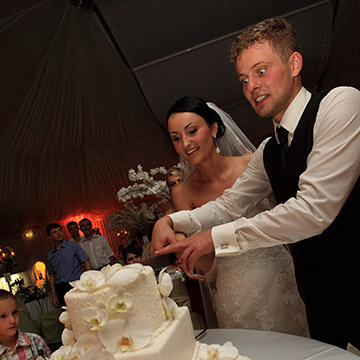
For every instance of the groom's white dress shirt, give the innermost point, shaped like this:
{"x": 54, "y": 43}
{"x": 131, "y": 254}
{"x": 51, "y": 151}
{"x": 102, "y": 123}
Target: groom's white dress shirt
{"x": 333, "y": 167}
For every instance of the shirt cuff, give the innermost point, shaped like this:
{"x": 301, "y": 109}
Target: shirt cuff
{"x": 181, "y": 222}
{"x": 223, "y": 237}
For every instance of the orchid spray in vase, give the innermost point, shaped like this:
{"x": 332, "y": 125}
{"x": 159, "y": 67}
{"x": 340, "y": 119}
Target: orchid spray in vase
{"x": 145, "y": 185}
{"x": 140, "y": 218}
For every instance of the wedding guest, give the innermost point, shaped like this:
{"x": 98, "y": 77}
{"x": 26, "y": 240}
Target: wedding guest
{"x": 263, "y": 281}
{"x": 137, "y": 244}
{"x": 312, "y": 164}
{"x": 65, "y": 261}
{"x": 15, "y": 344}
{"x": 131, "y": 255}
{"x": 96, "y": 246}
{"x": 173, "y": 177}
{"x": 73, "y": 229}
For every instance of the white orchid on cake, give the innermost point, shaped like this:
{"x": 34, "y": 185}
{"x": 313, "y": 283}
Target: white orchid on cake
{"x": 165, "y": 287}
{"x": 125, "y": 335}
{"x": 95, "y": 317}
{"x": 121, "y": 301}
{"x": 65, "y": 319}
{"x": 124, "y": 275}
{"x": 89, "y": 281}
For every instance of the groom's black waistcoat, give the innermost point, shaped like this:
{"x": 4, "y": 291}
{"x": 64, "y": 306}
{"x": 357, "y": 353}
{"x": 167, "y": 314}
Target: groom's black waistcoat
{"x": 326, "y": 265}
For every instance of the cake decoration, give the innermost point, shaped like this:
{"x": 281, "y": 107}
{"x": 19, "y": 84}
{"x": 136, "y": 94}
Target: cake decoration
{"x": 124, "y": 313}
{"x": 218, "y": 352}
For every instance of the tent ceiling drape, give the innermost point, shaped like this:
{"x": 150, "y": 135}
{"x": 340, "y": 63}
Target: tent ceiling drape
{"x": 73, "y": 117}
{"x": 83, "y": 94}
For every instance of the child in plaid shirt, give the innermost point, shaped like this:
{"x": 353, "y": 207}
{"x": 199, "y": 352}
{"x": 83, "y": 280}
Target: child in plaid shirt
{"x": 15, "y": 344}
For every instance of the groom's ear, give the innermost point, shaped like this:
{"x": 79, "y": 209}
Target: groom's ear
{"x": 296, "y": 62}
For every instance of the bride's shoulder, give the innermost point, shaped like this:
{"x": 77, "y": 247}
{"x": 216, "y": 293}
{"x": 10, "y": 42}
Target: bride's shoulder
{"x": 243, "y": 159}
{"x": 181, "y": 195}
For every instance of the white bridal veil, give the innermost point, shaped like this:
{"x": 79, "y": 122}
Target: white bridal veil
{"x": 233, "y": 143}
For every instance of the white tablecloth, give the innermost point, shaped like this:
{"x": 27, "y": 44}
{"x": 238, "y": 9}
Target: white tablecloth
{"x": 39, "y": 307}
{"x": 267, "y": 345}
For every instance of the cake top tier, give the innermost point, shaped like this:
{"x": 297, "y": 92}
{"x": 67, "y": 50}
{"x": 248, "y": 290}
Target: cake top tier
{"x": 122, "y": 308}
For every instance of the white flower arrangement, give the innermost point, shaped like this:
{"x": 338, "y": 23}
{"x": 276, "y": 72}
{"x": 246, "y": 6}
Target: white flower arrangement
{"x": 145, "y": 185}
{"x": 134, "y": 218}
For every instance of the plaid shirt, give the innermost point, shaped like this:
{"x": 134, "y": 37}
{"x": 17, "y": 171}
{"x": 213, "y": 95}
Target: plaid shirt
{"x": 29, "y": 347}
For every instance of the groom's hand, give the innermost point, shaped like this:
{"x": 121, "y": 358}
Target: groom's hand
{"x": 190, "y": 249}
{"x": 162, "y": 234}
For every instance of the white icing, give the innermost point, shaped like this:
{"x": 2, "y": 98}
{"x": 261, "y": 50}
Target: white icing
{"x": 147, "y": 302}
{"x": 176, "y": 343}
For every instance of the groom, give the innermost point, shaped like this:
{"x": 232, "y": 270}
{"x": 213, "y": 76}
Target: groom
{"x": 311, "y": 165}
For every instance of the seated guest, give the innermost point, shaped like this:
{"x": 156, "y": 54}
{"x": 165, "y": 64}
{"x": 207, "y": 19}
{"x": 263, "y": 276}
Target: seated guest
{"x": 96, "y": 246}
{"x": 15, "y": 344}
{"x": 131, "y": 255}
{"x": 65, "y": 260}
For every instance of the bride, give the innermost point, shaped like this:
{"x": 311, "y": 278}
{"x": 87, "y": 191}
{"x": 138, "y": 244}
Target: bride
{"x": 256, "y": 290}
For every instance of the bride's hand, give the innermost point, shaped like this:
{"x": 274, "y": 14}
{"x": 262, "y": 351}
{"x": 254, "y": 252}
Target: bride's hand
{"x": 204, "y": 263}
{"x": 190, "y": 249}
{"x": 162, "y": 234}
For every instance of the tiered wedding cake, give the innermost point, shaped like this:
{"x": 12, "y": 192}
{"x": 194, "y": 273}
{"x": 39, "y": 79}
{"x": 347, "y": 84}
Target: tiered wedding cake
{"x": 123, "y": 313}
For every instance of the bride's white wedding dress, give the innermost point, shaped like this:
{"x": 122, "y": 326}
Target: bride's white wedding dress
{"x": 257, "y": 290}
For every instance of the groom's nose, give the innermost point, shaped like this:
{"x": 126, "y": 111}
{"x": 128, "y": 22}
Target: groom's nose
{"x": 252, "y": 84}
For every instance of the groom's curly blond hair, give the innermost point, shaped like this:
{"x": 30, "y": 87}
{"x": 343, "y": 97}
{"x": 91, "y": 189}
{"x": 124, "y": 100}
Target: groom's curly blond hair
{"x": 278, "y": 31}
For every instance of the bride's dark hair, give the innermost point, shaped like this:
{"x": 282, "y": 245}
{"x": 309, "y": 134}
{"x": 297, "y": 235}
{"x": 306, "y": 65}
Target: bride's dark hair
{"x": 196, "y": 105}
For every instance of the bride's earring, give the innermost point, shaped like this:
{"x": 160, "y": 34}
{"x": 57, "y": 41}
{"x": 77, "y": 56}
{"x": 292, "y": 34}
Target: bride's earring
{"x": 218, "y": 150}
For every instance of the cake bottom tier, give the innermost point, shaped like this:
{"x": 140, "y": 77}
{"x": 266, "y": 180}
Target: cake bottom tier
{"x": 175, "y": 343}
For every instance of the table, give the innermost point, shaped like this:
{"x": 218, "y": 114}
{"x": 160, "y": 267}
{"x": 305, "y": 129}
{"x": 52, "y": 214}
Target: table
{"x": 47, "y": 317}
{"x": 268, "y": 345}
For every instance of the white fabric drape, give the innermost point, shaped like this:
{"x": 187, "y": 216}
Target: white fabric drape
{"x": 73, "y": 120}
